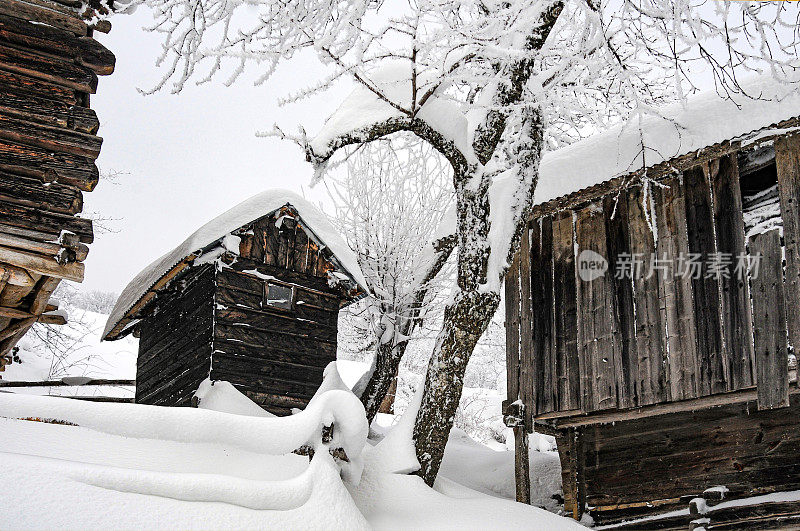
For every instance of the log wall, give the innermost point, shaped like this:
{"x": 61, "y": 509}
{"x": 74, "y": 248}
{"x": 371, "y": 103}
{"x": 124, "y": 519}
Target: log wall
{"x": 176, "y": 340}
{"x": 49, "y": 65}
{"x": 216, "y": 322}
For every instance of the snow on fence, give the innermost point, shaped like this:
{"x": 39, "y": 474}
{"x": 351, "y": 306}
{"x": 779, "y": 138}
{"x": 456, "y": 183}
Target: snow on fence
{"x": 332, "y": 428}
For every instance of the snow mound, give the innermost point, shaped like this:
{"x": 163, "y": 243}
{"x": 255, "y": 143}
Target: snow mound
{"x": 224, "y": 397}
{"x": 245, "y": 212}
{"x": 706, "y": 119}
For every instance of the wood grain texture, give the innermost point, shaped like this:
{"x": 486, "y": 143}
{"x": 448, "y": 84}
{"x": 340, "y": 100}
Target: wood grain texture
{"x": 734, "y": 288}
{"x": 597, "y": 344}
{"x": 565, "y": 334}
{"x": 706, "y": 304}
{"x": 769, "y": 327}
{"x": 787, "y": 160}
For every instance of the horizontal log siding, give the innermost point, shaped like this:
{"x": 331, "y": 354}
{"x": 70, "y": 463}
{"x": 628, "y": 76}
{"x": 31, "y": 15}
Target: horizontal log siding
{"x": 682, "y": 454}
{"x": 175, "y": 343}
{"x": 273, "y": 355}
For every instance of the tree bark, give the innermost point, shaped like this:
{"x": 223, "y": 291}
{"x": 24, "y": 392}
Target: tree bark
{"x": 386, "y": 365}
{"x": 464, "y": 322}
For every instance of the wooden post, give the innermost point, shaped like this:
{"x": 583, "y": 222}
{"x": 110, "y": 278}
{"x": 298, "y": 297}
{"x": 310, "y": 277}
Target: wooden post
{"x": 787, "y": 161}
{"x": 512, "y": 407}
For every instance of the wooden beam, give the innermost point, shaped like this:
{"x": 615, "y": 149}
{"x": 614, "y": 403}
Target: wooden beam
{"x": 33, "y": 192}
{"x": 55, "y": 18}
{"x": 706, "y": 402}
{"x": 52, "y": 319}
{"x": 14, "y": 313}
{"x": 14, "y": 328}
{"x": 16, "y": 276}
{"x": 46, "y": 287}
{"x": 83, "y": 50}
{"x": 44, "y": 248}
{"x": 49, "y": 137}
{"x": 53, "y": 69}
{"x": 42, "y": 265}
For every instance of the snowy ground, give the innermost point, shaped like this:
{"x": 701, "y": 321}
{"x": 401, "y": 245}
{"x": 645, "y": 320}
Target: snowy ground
{"x": 62, "y": 463}
{"x": 131, "y": 466}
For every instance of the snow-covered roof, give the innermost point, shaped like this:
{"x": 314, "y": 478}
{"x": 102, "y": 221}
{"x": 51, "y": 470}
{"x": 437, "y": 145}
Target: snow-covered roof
{"x": 247, "y": 211}
{"x": 706, "y": 119}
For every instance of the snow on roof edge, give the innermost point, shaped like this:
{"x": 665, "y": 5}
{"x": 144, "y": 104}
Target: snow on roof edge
{"x": 705, "y": 120}
{"x": 249, "y": 210}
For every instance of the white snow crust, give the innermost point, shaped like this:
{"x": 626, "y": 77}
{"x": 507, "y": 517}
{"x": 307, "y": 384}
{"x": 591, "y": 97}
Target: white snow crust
{"x": 223, "y": 396}
{"x": 245, "y": 212}
{"x": 704, "y": 120}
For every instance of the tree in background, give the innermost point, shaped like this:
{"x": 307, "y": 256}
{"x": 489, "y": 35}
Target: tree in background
{"x": 390, "y": 204}
{"x": 488, "y": 84}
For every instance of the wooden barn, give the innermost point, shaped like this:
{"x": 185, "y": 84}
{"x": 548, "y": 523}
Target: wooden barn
{"x": 49, "y": 63}
{"x": 652, "y": 313}
{"x": 251, "y": 298}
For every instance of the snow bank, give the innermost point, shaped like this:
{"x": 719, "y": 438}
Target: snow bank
{"x": 706, "y": 119}
{"x": 275, "y": 435}
{"x": 256, "y": 207}
{"x": 224, "y": 397}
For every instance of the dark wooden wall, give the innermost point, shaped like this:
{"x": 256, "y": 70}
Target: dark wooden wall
{"x": 656, "y": 464}
{"x": 276, "y": 357}
{"x": 216, "y": 322}
{"x": 175, "y": 342}
{"x": 49, "y": 65}
{"x": 619, "y": 343}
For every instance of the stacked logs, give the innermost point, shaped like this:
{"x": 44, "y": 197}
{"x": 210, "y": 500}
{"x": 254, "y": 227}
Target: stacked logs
{"x": 49, "y": 65}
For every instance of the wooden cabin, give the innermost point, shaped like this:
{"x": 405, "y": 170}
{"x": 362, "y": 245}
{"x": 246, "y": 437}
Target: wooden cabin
{"x": 49, "y": 65}
{"x": 251, "y": 298}
{"x": 663, "y": 384}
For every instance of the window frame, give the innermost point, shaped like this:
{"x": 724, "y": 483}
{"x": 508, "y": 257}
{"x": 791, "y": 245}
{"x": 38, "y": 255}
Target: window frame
{"x": 293, "y": 294}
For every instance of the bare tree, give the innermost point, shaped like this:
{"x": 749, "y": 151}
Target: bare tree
{"x": 489, "y": 84}
{"x": 390, "y": 204}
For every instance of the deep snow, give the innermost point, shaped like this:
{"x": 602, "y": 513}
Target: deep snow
{"x": 136, "y": 466}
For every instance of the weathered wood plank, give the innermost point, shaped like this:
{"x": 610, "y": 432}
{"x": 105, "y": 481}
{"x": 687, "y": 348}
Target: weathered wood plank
{"x": 512, "y": 330}
{"x": 676, "y": 290}
{"x": 49, "y": 137}
{"x": 565, "y": 333}
{"x": 700, "y": 225}
{"x": 620, "y": 276}
{"x": 651, "y": 351}
{"x": 735, "y": 291}
{"x": 52, "y": 222}
{"x": 596, "y": 337}
{"x": 787, "y": 161}
{"x": 769, "y": 330}
{"x": 65, "y": 168}
{"x": 51, "y": 17}
{"x": 41, "y": 264}
{"x": 83, "y": 50}
{"x": 48, "y": 68}
{"x": 535, "y": 381}
{"x": 32, "y": 192}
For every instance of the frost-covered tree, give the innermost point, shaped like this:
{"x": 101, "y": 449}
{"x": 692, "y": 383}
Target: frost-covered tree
{"x": 389, "y": 206}
{"x": 489, "y": 84}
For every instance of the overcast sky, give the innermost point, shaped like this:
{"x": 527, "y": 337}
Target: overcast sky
{"x": 188, "y": 157}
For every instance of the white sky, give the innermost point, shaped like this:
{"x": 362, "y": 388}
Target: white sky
{"x": 189, "y": 157}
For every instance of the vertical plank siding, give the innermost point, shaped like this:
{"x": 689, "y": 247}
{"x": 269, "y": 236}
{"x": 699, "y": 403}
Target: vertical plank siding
{"x": 541, "y": 284}
{"x": 787, "y": 160}
{"x": 597, "y": 342}
{"x": 770, "y": 333}
{"x": 651, "y": 353}
{"x": 675, "y": 291}
{"x": 617, "y": 232}
{"x": 735, "y": 311}
{"x": 565, "y": 316}
{"x": 529, "y": 358}
{"x": 706, "y": 308}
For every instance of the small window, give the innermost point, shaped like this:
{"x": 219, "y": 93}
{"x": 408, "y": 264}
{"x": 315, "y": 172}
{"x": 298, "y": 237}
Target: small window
{"x": 279, "y": 296}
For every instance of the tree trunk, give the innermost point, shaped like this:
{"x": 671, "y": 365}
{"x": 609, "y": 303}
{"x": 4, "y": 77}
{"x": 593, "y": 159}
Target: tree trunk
{"x": 386, "y": 365}
{"x": 387, "y": 406}
{"x": 464, "y": 323}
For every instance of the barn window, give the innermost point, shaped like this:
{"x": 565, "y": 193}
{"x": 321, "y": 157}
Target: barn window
{"x": 280, "y": 296}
